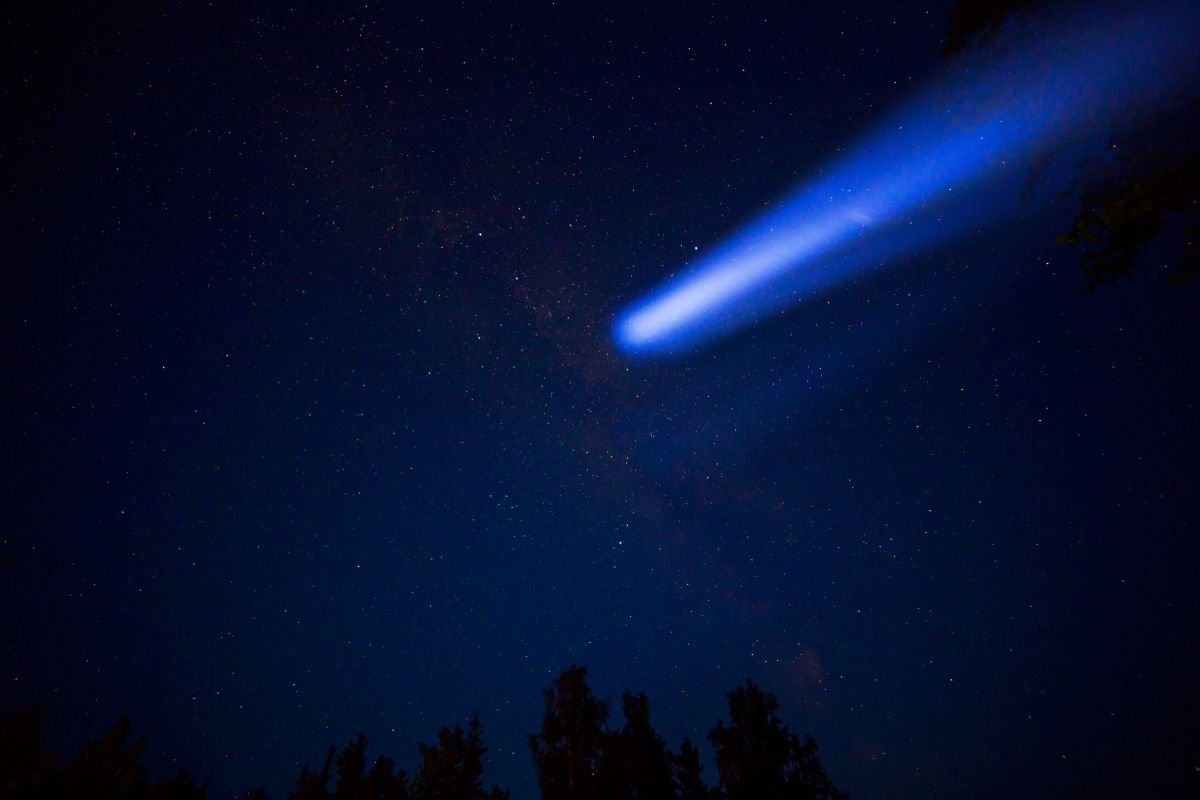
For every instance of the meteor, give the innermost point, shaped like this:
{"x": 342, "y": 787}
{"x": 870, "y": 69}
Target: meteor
{"x": 918, "y": 178}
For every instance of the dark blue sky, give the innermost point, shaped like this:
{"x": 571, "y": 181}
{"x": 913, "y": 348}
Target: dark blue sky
{"x": 312, "y": 420}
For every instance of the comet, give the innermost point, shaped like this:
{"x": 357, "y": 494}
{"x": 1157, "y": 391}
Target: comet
{"x": 927, "y": 171}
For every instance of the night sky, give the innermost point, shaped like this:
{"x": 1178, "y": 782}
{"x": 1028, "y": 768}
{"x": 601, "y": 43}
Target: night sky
{"x": 313, "y": 421}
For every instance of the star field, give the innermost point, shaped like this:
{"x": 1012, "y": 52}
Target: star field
{"x": 312, "y": 421}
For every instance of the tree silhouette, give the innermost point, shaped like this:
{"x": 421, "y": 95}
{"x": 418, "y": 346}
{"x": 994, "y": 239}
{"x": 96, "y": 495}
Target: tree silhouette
{"x": 311, "y": 785}
{"x": 758, "y": 758}
{"x": 641, "y": 763}
{"x": 451, "y": 770}
{"x": 686, "y": 772}
{"x": 24, "y": 761}
{"x": 108, "y": 768}
{"x": 385, "y": 784}
{"x": 567, "y": 753}
{"x": 351, "y": 765}
{"x": 576, "y": 756}
{"x": 353, "y": 782}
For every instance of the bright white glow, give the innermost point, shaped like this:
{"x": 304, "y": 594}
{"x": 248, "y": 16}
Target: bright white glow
{"x": 739, "y": 274}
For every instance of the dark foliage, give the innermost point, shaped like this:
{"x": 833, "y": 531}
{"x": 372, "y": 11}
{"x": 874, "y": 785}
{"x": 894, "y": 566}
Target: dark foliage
{"x": 311, "y": 785}
{"x": 452, "y": 769}
{"x": 384, "y": 782}
{"x": 971, "y": 22}
{"x": 108, "y": 768}
{"x": 575, "y": 754}
{"x": 758, "y": 758}
{"x": 1126, "y": 206}
{"x": 644, "y": 759}
{"x": 351, "y": 770}
{"x": 1151, "y": 187}
{"x": 568, "y": 751}
{"x": 686, "y": 772}
{"x": 24, "y": 762}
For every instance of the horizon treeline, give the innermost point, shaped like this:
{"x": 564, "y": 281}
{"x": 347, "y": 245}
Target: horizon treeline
{"x": 576, "y": 755}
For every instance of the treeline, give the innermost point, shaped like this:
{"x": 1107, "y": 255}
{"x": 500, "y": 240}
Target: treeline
{"x": 576, "y": 754}
{"x": 108, "y": 767}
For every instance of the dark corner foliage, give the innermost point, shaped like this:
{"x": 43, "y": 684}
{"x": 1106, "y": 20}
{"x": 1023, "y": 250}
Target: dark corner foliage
{"x": 1147, "y": 190}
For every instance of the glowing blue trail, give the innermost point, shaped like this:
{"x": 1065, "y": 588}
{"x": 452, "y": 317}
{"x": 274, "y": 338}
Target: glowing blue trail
{"x": 1045, "y": 83}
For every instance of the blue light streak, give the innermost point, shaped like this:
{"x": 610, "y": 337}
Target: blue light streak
{"x": 903, "y": 187}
